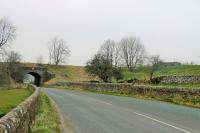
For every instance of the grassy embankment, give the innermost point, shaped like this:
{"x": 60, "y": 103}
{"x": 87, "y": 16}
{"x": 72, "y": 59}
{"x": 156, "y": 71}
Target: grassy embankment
{"x": 47, "y": 120}
{"x": 68, "y": 73}
{"x": 77, "y": 73}
{"x": 11, "y": 97}
{"x": 180, "y": 70}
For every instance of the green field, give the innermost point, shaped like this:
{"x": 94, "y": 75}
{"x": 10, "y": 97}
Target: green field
{"x": 180, "y": 70}
{"x": 10, "y": 98}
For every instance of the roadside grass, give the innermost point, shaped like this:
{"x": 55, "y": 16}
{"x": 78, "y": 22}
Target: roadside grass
{"x": 47, "y": 120}
{"x": 11, "y": 97}
{"x": 173, "y": 98}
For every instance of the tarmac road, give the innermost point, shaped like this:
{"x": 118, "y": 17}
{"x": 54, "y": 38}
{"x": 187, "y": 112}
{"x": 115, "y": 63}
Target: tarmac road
{"x": 98, "y": 113}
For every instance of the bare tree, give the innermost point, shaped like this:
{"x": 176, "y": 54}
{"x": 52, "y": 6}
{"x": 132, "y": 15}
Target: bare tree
{"x": 107, "y": 49}
{"x": 110, "y": 50}
{"x": 7, "y": 32}
{"x": 116, "y": 55}
{"x": 155, "y": 63}
{"x": 13, "y": 60}
{"x": 3, "y": 53}
{"x": 13, "y": 57}
{"x": 132, "y": 52}
{"x": 7, "y": 35}
{"x": 58, "y": 51}
{"x": 50, "y": 52}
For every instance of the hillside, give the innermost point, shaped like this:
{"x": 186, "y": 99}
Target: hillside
{"x": 68, "y": 73}
{"x": 180, "y": 70}
{"x": 77, "y": 73}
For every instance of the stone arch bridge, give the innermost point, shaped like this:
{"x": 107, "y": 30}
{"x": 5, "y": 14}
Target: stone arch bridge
{"x": 40, "y": 74}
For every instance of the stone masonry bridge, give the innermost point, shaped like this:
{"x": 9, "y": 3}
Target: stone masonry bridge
{"x": 40, "y": 74}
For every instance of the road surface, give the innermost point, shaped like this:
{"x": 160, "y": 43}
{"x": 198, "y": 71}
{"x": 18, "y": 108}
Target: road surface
{"x": 97, "y": 113}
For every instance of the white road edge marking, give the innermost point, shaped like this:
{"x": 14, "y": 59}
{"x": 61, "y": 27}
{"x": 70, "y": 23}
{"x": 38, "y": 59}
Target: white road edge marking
{"x": 164, "y": 123}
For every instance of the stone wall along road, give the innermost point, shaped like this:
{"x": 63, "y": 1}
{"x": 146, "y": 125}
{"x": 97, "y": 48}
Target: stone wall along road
{"x": 20, "y": 119}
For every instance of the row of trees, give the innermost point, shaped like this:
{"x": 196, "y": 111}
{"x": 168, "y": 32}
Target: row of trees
{"x": 113, "y": 56}
{"x": 129, "y": 51}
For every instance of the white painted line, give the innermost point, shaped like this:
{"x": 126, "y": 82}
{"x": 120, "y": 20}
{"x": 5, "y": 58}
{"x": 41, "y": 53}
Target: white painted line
{"x": 90, "y": 98}
{"x": 164, "y": 123}
{"x": 70, "y": 94}
{"x": 57, "y": 95}
{"x": 100, "y": 101}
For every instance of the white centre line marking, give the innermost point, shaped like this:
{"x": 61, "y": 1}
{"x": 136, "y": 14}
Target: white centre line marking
{"x": 90, "y": 98}
{"x": 100, "y": 101}
{"x": 54, "y": 94}
{"x": 164, "y": 123}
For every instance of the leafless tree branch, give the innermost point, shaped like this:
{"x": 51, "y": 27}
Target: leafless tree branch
{"x": 58, "y": 51}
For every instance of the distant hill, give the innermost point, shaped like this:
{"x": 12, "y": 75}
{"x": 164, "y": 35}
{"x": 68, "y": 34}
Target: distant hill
{"x": 77, "y": 73}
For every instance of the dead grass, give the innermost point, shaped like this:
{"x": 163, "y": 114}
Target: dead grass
{"x": 68, "y": 73}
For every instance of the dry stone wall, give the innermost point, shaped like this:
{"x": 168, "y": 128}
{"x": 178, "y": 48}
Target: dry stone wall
{"x": 20, "y": 119}
{"x": 177, "y": 79}
{"x": 181, "y": 79}
{"x": 185, "y": 96}
{"x": 126, "y": 88}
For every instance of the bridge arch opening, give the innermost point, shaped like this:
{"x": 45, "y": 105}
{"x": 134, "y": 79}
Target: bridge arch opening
{"x": 37, "y": 78}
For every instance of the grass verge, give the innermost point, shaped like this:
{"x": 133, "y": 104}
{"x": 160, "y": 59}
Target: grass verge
{"x": 11, "y": 97}
{"x": 47, "y": 119}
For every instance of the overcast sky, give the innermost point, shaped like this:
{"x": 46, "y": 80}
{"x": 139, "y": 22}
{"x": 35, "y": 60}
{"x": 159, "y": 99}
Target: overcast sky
{"x": 170, "y": 28}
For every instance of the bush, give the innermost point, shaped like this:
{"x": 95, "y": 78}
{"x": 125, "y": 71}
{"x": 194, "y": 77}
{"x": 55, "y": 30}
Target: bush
{"x": 101, "y": 67}
{"x": 117, "y": 73}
